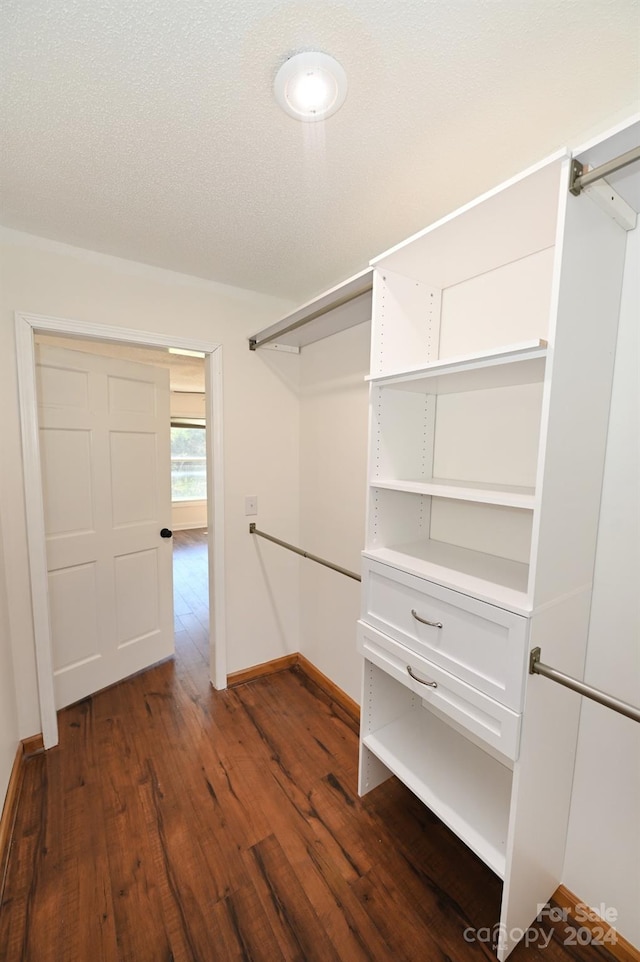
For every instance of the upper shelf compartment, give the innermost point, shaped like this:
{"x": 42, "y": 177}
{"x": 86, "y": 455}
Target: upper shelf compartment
{"x": 336, "y": 310}
{"x": 516, "y": 364}
{"x": 478, "y": 280}
{"x": 501, "y": 227}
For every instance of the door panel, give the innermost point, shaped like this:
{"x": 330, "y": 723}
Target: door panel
{"x": 136, "y": 582}
{"x": 68, "y": 495}
{"x": 73, "y": 605}
{"x": 65, "y": 388}
{"x": 131, "y": 397}
{"x": 105, "y": 455}
{"x": 134, "y": 489}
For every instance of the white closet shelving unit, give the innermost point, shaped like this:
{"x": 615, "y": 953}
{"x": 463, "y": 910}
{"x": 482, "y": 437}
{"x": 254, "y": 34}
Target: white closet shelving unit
{"x": 493, "y": 341}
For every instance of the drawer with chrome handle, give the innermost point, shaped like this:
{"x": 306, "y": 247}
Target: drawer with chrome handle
{"x": 423, "y": 621}
{"x": 422, "y": 681}
{"x": 483, "y": 645}
{"x": 484, "y": 721}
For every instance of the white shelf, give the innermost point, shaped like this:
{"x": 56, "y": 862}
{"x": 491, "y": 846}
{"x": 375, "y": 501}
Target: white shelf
{"x": 497, "y": 581}
{"x": 337, "y": 309}
{"x": 510, "y": 496}
{"x": 465, "y": 787}
{"x": 516, "y": 364}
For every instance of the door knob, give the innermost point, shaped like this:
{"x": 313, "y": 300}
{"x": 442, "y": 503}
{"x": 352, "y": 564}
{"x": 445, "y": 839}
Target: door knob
{"x": 166, "y": 533}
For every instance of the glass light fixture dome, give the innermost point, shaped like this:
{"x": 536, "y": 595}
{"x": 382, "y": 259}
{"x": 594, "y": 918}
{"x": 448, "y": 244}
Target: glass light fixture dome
{"x": 310, "y": 86}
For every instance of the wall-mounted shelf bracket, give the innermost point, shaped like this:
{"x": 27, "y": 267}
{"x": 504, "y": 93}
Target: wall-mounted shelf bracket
{"x": 609, "y": 701}
{"x": 281, "y": 348}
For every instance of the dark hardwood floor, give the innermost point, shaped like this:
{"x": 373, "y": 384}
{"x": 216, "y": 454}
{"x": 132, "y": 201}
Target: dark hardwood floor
{"x": 191, "y": 589}
{"x": 178, "y": 824}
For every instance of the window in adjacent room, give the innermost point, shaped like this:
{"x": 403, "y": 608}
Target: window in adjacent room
{"x": 188, "y": 460}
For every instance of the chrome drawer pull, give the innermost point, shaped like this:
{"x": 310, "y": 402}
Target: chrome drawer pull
{"x": 431, "y": 684}
{"x": 423, "y": 621}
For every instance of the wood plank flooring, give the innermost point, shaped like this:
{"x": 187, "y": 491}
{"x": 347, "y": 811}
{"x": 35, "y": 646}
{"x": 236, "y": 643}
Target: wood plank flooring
{"x": 178, "y": 824}
{"x": 191, "y": 589}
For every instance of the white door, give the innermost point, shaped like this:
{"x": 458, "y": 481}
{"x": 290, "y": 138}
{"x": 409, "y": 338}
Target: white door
{"x": 105, "y": 454}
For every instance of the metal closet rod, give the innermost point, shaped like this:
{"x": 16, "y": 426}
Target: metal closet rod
{"x": 580, "y": 180}
{"x": 256, "y": 342}
{"x": 609, "y": 701}
{"x": 305, "y": 554}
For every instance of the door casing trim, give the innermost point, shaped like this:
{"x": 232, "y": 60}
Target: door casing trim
{"x": 26, "y": 326}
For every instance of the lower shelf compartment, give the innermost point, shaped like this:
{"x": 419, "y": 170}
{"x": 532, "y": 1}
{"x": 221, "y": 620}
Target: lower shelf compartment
{"x": 489, "y": 578}
{"x": 467, "y": 789}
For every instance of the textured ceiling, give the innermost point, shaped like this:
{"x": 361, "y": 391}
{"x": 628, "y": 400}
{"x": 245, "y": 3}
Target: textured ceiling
{"x": 149, "y": 129}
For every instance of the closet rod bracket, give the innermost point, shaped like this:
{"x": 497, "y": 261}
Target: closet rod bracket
{"x": 536, "y": 667}
{"x": 599, "y": 190}
{"x": 580, "y": 178}
{"x": 575, "y": 184}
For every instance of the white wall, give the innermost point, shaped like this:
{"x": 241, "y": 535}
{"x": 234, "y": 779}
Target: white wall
{"x": 602, "y": 864}
{"x": 333, "y": 476}
{"x": 188, "y": 514}
{"x": 261, "y": 416}
{"x": 8, "y": 710}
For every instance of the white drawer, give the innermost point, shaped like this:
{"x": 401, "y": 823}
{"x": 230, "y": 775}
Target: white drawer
{"x": 482, "y": 644}
{"x": 485, "y": 721}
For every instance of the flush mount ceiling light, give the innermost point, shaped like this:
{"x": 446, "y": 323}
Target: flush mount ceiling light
{"x": 310, "y": 86}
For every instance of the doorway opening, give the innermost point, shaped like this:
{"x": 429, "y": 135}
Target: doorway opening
{"x": 190, "y": 533}
{"x": 27, "y": 326}
{"x": 186, "y": 426}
